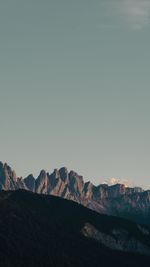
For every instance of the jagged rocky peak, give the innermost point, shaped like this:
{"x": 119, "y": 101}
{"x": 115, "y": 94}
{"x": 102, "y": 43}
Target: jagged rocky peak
{"x": 42, "y": 182}
{"x": 88, "y": 186}
{"x": 76, "y": 176}
{"x": 8, "y": 178}
{"x": 1, "y": 165}
{"x": 76, "y": 183}
{"x": 88, "y": 190}
{"x": 9, "y": 172}
{"x": 54, "y": 178}
{"x": 30, "y": 182}
{"x": 64, "y": 175}
{"x": 101, "y": 191}
{"x": 6, "y": 171}
{"x": 117, "y": 189}
{"x": 30, "y": 177}
{"x": 121, "y": 189}
{"x": 56, "y": 173}
{"x": 43, "y": 173}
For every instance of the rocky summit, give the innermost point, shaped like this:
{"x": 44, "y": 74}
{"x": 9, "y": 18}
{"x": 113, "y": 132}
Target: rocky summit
{"x": 118, "y": 200}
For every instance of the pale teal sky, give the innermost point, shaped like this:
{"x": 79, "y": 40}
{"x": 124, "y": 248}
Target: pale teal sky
{"x": 75, "y": 87}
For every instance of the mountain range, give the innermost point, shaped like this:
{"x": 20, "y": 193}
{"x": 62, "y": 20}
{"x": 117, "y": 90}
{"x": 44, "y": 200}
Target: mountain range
{"x": 118, "y": 200}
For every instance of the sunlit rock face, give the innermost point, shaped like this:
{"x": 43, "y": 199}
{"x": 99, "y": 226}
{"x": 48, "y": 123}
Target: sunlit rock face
{"x": 118, "y": 199}
{"x": 9, "y": 180}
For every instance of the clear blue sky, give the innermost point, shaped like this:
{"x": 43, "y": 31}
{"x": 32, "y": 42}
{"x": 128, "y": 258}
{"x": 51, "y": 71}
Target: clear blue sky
{"x": 75, "y": 87}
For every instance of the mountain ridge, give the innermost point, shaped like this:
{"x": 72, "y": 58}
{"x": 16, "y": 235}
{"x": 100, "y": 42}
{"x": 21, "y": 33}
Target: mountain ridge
{"x": 118, "y": 200}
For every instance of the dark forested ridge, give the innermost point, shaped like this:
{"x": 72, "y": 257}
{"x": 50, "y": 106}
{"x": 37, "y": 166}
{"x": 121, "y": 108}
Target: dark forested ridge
{"x": 39, "y": 230}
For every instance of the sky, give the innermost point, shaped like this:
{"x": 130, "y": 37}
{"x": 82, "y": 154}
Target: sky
{"x": 75, "y": 87}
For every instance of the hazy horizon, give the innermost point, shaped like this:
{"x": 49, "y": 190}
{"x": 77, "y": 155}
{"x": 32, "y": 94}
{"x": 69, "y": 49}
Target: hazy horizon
{"x": 74, "y": 88}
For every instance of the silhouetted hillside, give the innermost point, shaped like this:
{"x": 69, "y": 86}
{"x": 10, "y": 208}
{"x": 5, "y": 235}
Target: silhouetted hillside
{"x": 41, "y": 231}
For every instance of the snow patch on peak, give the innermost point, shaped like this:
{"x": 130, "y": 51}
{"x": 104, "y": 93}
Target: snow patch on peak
{"x": 113, "y": 181}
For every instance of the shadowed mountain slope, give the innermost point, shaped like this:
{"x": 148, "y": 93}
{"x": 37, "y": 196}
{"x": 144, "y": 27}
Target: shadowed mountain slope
{"x": 38, "y": 230}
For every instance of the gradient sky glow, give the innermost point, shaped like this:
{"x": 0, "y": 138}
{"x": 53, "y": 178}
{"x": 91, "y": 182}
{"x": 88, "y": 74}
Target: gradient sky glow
{"x": 75, "y": 87}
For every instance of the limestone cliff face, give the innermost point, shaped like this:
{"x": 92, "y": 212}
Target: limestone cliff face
{"x": 9, "y": 180}
{"x": 119, "y": 200}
